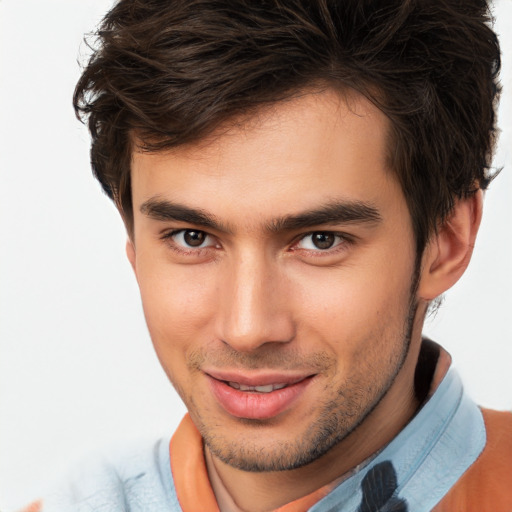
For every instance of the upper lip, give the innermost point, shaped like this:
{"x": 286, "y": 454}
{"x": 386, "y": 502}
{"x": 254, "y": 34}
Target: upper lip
{"x": 258, "y": 378}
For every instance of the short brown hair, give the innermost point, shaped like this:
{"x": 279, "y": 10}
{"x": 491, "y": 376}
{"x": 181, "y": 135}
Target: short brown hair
{"x": 172, "y": 71}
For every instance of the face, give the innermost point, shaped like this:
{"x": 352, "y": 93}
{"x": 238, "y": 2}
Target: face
{"x": 275, "y": 262}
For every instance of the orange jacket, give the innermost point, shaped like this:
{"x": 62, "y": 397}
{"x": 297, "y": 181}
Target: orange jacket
{"x": 487, "y": 485}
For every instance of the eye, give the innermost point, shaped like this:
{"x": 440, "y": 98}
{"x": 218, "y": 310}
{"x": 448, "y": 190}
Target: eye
{"x": 320, "y": 241}
{"x": 192, "y": 238}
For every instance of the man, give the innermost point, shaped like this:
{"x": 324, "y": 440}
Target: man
{"x": 300, "y": 180}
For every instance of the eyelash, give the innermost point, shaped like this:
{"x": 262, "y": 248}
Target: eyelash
{"x": 180, "y": 249}
{"x": 343, "y": 241}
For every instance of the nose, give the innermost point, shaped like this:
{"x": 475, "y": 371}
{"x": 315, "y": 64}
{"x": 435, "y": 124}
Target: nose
{"x": 254, "y": 306}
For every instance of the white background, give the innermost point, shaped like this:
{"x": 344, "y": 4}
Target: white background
{"x": 77, "y": 371}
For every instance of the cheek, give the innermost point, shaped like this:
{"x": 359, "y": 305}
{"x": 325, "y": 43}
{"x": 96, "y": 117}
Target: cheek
{"x": 177, "y": 304}
{"x": 354, "y": 307}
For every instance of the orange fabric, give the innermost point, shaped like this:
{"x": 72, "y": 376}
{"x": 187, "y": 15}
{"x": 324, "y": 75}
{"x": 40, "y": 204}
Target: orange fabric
{"x": 36, "y": 506}
{"x": 191, "y": 476}
{"x": 487, "y": 485}
{"x": 189, "y": 469}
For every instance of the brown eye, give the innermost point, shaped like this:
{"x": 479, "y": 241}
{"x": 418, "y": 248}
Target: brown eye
{"x": 194, "y": 238}
{"x": 190, "y": 241}
{"x": 323, "y": 240}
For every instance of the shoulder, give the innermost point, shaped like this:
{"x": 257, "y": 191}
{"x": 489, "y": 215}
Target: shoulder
{"x": 134, "y": 477}
{"x": 487, "y": 484}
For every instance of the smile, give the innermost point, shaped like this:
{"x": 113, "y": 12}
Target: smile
{"x": 257, "y": 397}
{"x": 258, "y": 389}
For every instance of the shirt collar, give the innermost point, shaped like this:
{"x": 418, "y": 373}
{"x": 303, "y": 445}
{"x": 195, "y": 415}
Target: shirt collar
{"x": 414, "y": 470}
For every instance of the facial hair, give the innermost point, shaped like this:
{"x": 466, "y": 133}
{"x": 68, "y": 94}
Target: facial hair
{"x": 339, "y": 416}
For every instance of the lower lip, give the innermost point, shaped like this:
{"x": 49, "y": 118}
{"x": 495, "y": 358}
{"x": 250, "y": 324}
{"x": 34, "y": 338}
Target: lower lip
{"x": 254, "y": 405}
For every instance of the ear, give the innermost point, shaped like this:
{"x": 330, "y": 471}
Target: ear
{"x": 449, "y": 251}
{"x": 130, "y": 253}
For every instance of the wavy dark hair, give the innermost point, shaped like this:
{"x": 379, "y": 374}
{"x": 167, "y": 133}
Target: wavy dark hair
{"x": 172, "y": 71}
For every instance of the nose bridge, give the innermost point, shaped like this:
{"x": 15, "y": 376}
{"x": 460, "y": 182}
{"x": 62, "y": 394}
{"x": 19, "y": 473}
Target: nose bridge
{"x": 253, "y": 306}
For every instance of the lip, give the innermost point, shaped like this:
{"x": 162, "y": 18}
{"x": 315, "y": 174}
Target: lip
{"x": 252, "y": 404}
{"x": 257, "y": 378}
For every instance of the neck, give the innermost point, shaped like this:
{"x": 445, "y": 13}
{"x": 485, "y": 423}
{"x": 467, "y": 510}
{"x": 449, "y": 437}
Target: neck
{"x": 238, "y": 490}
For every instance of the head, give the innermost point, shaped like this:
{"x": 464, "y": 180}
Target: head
{"x": 169, "y": 73}
{"x": 281, "y": 167}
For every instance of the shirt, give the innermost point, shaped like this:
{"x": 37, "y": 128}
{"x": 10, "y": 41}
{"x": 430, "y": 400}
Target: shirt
{"x": 438, "y": 461}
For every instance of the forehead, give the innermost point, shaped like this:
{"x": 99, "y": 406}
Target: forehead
{"x": 313, "y": 148}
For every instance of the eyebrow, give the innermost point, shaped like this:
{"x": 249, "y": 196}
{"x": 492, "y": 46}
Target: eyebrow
{"x": 164, "y": 210}
{"x": 334, "y": 212}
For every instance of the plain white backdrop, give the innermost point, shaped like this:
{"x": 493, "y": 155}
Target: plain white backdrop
{"x": 77, "y": 370}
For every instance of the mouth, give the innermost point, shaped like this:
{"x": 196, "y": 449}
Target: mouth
{"x": 268, "y": 388}
{"x": 259, "y": 396}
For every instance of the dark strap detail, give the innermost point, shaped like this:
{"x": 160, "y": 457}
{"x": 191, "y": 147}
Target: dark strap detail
{"x": 379, "y": 487}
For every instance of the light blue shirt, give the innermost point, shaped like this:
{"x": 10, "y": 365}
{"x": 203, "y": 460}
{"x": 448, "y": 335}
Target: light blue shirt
{"x": 412, "y": 473}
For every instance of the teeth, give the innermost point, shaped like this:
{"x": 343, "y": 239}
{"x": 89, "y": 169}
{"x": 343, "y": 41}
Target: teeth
{"x": 259, "y": 389}
{"x": 264, "y": 389}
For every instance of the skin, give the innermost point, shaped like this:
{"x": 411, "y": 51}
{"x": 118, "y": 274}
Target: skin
{"x": 258, "y": 298}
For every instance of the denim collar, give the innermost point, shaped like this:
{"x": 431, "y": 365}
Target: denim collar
{"x": 419, "y": 466}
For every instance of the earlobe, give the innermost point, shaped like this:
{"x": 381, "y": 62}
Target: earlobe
{"x": 130, "y": 253}
{"x": 449, "y": 251}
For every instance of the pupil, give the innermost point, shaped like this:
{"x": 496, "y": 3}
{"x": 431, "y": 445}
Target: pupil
{"x": 194, "y": 238}
{"x": 323, "y": 240}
